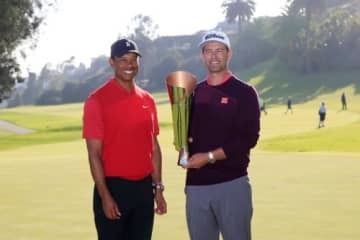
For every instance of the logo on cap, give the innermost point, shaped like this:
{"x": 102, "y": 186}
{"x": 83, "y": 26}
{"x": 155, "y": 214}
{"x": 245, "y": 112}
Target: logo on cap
{"x": 213, "y": 35}
{"x": 124, "y": 46}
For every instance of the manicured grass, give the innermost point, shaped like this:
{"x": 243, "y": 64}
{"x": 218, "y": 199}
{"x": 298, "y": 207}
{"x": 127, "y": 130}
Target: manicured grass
{"x": 61, "y": 117}
{"x": 310, "y": 196}
{"x": 47, "y": 191}
{"x": 44, "y": 192}
{"x": 279, "y": 132}
{"x": 298, "y": 132}
{"x": 344, "y": 139}
{"x": 42, "y": 137}
{"x": 47, "y": 188}
{"x": 52, "y": 124}
{"x": 4, "y": 132}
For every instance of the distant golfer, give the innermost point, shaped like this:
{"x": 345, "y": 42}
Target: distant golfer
{"x": 289, "y": 105}
{"x": 262, "y": 105}
{"x": 322, "y": 114}
{"x": 343, "y": 101}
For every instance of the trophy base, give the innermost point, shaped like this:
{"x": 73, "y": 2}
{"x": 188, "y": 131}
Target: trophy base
{"x": 182, "y": 162}
{"x": 183, "y": 157}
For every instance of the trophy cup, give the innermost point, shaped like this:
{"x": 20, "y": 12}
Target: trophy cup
{"x": 180, "y": 86}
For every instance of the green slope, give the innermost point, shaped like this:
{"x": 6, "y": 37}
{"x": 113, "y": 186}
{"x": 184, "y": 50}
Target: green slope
{"x": 275, "y": 82}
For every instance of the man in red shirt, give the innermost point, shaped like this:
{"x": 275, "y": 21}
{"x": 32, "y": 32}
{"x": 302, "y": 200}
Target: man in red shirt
{"x": 120, "y": 127}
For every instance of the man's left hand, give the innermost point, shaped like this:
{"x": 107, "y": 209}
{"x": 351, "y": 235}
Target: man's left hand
{"x": 161, "y": 206}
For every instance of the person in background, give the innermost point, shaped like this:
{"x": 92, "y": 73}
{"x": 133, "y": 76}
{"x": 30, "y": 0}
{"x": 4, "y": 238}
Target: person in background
{"x": 343, "y": 101}
{"x": 120, "y": 127}
{"x": 322, "y": 115}
{"x": 262, "y": 104}
{"x": 289, "y": 105}
{"x": 224, "y": 126}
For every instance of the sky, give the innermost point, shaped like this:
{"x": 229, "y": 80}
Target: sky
{"x": 85, "y": 29}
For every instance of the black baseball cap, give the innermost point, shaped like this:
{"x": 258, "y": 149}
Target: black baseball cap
{"x": 124, "y": 46}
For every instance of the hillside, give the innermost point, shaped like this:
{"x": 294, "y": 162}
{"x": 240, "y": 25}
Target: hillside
{"x": 275, "y": 82}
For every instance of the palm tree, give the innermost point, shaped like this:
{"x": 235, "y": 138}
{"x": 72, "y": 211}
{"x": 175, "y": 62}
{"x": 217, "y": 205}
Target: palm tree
{"x": 239, "y": 11}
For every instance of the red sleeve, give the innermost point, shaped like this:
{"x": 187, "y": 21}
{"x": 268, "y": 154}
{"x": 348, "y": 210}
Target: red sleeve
{"x": 155, "y": 118}
{"x": 93, "y": 125}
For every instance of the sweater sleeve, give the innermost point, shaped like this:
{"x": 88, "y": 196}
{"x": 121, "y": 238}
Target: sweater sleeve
{"x": 247, "y": 126}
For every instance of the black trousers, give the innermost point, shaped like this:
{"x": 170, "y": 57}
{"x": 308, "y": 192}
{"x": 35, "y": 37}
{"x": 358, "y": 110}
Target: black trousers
{"x": 135, "y": 200}
{"x": 322, "y": 116}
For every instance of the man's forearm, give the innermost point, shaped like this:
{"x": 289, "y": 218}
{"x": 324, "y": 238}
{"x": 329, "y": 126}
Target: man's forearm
{"x": 157, "y": 162}
{"x": 97, "y": 173}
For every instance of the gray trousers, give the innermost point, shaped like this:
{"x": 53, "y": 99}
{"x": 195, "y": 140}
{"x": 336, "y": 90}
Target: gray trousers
{"x": 224, "y": 208}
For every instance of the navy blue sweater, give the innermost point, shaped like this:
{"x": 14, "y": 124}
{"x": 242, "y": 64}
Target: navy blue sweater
{"x": 227, "y": 116}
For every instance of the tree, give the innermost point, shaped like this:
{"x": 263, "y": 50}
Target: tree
{"x": 306, "y": 8}
{"x": 19, "y": 21}
{"x": 143, "y": 31}
{"x": 254, "y": 43}
{"x": 338, "y": 35}
{"x": 314, "y": 12}
{"x": 239, "y": 11}
{"x": 142, "y": 26}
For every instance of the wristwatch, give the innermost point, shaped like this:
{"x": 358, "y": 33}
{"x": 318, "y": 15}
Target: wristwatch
{"x": 159, "y": 186}
{"x": 212, "y": 159}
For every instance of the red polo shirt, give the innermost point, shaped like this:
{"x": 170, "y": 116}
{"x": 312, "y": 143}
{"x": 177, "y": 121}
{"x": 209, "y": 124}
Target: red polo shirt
{"x": 126, "y": 123}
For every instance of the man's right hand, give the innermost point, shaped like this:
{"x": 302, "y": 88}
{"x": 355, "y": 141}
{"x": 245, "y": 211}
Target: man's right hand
{"x": 110, "y": 208}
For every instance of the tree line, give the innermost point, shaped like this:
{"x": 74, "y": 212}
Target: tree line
{"x": 310, "y": 36}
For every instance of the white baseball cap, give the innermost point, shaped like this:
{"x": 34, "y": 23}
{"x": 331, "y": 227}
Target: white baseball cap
{"x": 215, "y": 36}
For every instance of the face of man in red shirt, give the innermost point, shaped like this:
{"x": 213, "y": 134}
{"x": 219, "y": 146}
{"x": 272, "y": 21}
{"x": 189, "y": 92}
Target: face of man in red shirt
{"x": 125, "y": 67}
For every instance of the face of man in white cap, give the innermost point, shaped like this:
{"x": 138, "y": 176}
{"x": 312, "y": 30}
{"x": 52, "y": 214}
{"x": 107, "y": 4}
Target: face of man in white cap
{"x": 216, "y": 51}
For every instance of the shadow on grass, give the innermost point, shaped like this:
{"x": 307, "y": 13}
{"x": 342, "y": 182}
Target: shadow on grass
{"x": 70, "y": 128}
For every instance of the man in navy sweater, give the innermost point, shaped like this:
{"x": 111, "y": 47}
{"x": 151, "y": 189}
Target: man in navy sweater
{"x": 224, "y": 126}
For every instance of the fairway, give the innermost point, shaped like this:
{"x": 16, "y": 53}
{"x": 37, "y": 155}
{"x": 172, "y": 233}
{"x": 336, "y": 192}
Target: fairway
{"x": 46, "y": 194}
{"x": 46, "y": 189}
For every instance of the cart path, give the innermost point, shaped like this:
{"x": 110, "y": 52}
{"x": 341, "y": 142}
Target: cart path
{"x": 14, "y": 128}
